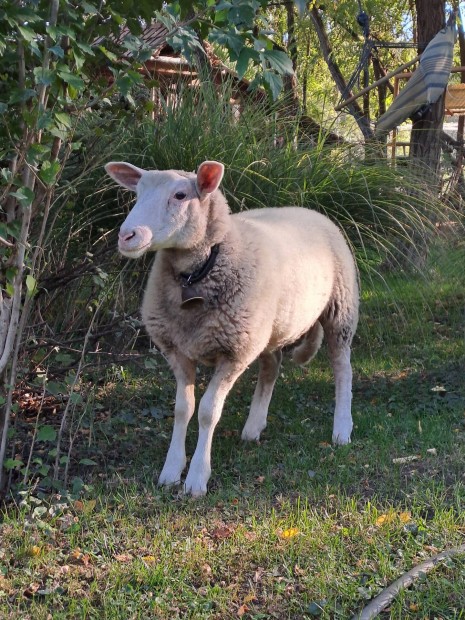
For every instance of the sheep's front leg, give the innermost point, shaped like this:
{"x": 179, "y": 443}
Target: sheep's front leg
{"x": 269, "y": 364}
{"x": 184, "y": 371}
{"x": 210, "y": 409}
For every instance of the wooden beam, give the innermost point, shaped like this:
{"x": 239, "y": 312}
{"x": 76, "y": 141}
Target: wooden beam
{"x": 387, "y": 77}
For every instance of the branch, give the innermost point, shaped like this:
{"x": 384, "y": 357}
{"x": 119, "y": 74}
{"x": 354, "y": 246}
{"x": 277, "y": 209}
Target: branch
{"x": 386, "y": 597}
{"x": 333, "y": 67}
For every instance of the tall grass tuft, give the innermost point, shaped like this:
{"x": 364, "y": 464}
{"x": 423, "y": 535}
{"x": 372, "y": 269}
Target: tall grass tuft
{"x": 389, "y": 217}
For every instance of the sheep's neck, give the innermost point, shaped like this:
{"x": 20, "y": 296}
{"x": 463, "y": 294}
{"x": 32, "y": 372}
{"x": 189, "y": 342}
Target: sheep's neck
{"x": 190, "y": 280}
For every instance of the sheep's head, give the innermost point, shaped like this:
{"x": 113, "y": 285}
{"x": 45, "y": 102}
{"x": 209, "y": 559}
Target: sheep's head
{"x": 170, "y": 210}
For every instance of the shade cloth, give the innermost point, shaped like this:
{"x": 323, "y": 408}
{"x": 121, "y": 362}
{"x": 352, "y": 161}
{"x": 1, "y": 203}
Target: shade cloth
{"x": 427, "y": 82}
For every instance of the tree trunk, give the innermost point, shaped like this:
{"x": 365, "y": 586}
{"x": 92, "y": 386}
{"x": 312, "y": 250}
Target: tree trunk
{"x": 333, "y": 67}
{"x": 425, "y": 144}
{"x": 290, "y": 81}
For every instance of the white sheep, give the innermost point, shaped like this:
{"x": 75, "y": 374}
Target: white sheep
{"x": 227, "y": 289}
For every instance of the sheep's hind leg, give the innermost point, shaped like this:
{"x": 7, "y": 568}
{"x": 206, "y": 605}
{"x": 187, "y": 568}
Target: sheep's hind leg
{"x": 184, "y": 371}
{"x": 339, "y": 342}
{"x": 269, "y": 364}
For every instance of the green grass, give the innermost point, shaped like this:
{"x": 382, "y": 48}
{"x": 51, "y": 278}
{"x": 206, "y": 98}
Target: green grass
{"x": 291, "y": 528}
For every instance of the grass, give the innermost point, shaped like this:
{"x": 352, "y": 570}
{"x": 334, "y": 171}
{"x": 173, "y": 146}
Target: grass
{"x": 291, "y": 528}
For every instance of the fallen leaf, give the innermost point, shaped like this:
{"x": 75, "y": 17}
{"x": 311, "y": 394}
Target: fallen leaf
{"x": 35, "y": 550}
{"x": 289, "y": 533}
{"x": 149, "y": 559}
{"x": 242, "y": 610}
{"x": 222, "y": 531}
{"x": 413, "y": 607}
{"x": 31, "y": 590}
{"x": 405, "y": 517}
{"x": 77, "y": 557}
{"x": 249, "y": 598}
{"x": 123, "y": 557}
{"x": 206, "y": 569}
{"x": 382, "y": 519}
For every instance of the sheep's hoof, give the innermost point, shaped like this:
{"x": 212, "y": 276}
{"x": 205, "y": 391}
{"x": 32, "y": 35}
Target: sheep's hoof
{"x": 340, "y": 440}
{"x": 168, "y": 479}
{"x": 197, "y": 491}
{"x": 251, "y": 434}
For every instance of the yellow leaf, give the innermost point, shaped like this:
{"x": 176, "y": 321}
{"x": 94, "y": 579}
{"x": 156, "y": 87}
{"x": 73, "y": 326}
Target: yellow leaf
{"x": 290, "y": 533}
{"x": 249, "y": 598}
{"x": 413, "y": 607}
{"x": 383, "y": 519}
{"x": 405, "y": 517}
{"x": 35, "y": 550}
{"x": 150, "y": 559}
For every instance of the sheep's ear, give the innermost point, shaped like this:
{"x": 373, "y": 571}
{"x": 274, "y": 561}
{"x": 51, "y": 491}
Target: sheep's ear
{"x": 209, "y": 177}
{"x": 124, "y": 174}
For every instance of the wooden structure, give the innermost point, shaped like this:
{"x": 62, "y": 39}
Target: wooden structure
{"x": 170, "y": 70}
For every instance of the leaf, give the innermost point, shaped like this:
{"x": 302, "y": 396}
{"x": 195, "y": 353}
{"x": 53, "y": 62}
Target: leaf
{"x": 246, "y": 55}
{"x": 228, "y": 39}
{"x": 273, "y": 83}
{"x": 149, "y": 559}
{"x": 55, "y": 388}
{"x": 27, "y": 34}
{"x": 405, "y": 517}
{"x": 49, "y": 171}
{"x": 64, "y": 119}
{"x": 73, "y": 80}
{"x": 289, "y": 533}
{"x": 44, "y": 76}
{"x": 57, "y": 50}
{"x": 87, "y": 462}
{"x": 18, "y": 95}
{"x": 24, "y": 196}
{"x": 123, "y": 557}
{"x": 31, "y": 285}
{"x": 315, "y": 608}
{"x": 279, "y": 61}
{"x": 85, "y": 507}
{"x": 12, "y": 464}
{"x": 46, "y": 433}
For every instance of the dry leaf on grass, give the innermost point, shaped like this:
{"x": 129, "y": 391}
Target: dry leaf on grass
{"x": 289, "y": 533}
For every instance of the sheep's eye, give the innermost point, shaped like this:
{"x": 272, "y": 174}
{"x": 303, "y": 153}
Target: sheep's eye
{"x": 180, "y": 195}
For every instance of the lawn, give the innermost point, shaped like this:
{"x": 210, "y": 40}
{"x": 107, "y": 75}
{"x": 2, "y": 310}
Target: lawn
{"x": 291, "y": 527}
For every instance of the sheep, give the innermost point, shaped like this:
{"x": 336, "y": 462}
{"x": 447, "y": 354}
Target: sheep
{"x": 227, "y": 289}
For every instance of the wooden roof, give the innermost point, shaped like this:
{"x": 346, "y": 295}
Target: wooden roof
{"x": 168, "y": 65}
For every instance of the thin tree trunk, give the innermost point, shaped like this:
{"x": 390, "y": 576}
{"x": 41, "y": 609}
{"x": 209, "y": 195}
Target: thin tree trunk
{"x": 354, "y": 108}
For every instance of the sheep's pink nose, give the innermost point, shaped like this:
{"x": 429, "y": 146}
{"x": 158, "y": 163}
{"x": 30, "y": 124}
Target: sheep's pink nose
{"x": 126, "y": 236}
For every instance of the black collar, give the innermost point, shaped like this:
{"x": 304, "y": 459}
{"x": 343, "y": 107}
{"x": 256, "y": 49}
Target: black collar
{"x": 203, "y": 271}
{"x": 190, "y": 296}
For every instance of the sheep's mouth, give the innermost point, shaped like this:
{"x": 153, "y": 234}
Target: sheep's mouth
{"x": 134, "y": 252}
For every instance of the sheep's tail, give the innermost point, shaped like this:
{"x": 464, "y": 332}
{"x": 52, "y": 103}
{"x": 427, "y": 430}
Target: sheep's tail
{"x": 306, "y": 350}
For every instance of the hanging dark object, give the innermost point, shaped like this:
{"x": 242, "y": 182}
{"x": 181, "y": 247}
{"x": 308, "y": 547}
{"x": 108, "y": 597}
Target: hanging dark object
{"x": 364, "y": 22}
